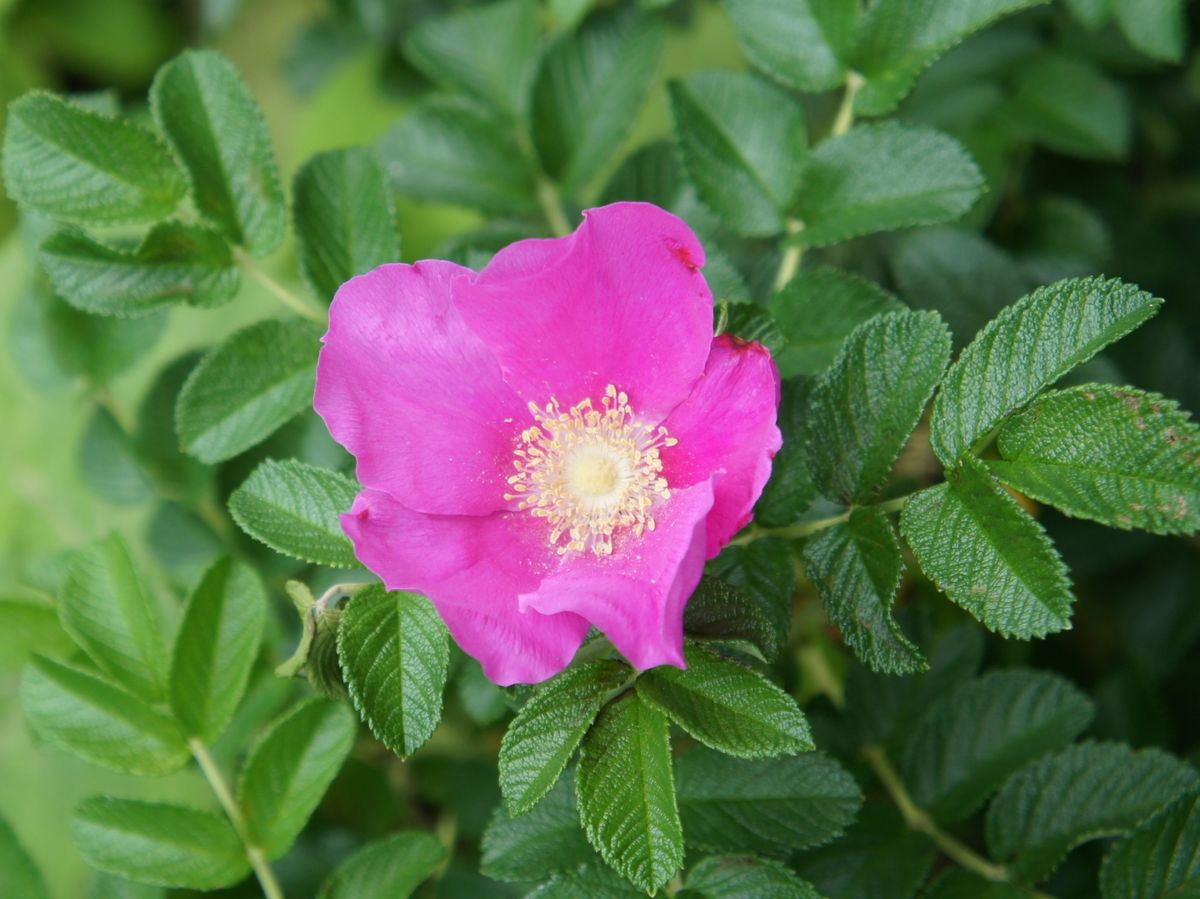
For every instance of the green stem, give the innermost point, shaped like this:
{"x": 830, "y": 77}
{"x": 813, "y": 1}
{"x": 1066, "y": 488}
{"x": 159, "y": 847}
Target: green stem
{"x": 789, "y": 264}
{"x": 258, "y": 861}
{"x": 551, "y": 204}
{"x": 808, "y": 528}
{"x": 281, "y": 293}
{"x": 845, "y": 114}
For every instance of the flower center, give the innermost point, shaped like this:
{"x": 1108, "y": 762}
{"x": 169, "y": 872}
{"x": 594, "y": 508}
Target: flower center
{"x": 590, "y": 471}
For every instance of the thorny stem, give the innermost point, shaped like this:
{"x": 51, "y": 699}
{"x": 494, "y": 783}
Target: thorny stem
{"x": 258, "y": 861}
{"x": 281, "y": 293}
{"x": 808, "y": 528}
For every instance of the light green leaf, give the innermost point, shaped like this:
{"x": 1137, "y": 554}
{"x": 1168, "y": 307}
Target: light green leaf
{"x": 1158, "y": 860}
{"x": 29, "y": 625}
{"x": 175, "y": 263}
{"x": 248, "y": 387}
{"x": 80, "y": 166}
{"x": 98, "y": 721}
{"x": 856, "y": 567}
{"x": 345, "y": 218}
{"x": 108, "y": 461}
{"x": 157, "y": 843}
{"x": 587, "y": 94}
{"x": 489, "y": 51}
{"x": 801, "y": 43}
{"x": 1069, "y": 105}
{"x": 975, "y": 736}
{"x": 743, "y": 144}
{"x": 720, "y": 611}
{"x": 549, "y": 728}
{"x": 727, "y": 706}
{"x": 627, "y": 793}
{"x": 394, "y": 652}
{"x": 390, "y": 868}
{"x": 290, "y": 769}
{"x": 538, "y": 843}
{"x": 864, "y": 407}
{"x": 987, "y": 554}
{"x": 744, "y": 877}
{"x": 1116, "y": 455}
{"x": 1085, "y": 792}
{"x": 1156, "y": 27}
{"x": 450, "y": 150}
{"x": 899, "y": 39}
{"x": 817, "y": 310}
{"x": 763, "y": 806}
{"x": 217, "y": 131}
{"x": 216, "y": 647}
{"x": 19, "y": 876}
{"x": 294, "y": 508}
{"x": 1025, "y": 349}
{"x": 881, "y": 178}
{"x": 105, "y": 608}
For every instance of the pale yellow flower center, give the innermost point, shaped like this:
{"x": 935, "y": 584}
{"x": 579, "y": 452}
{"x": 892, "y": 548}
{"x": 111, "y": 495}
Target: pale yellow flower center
{"x": 590, "y": 471}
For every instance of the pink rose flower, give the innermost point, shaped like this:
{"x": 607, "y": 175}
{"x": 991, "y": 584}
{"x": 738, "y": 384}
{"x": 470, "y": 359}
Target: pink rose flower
{"x": 555, "y": 441}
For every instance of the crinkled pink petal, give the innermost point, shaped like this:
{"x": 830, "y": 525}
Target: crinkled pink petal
{"x": 727, "y": 431}
{"x": 472, "y": 568}
{"x": 621, "y": 301}
{"x": 414, "y": 394}
{"x": 636, "y": 596}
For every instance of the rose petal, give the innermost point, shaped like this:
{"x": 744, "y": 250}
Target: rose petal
{"x": 472, "y": 568}
{"x": 415, "y": 395}
{"x": 621, "y": 301}
{"x": 727, "y": 432}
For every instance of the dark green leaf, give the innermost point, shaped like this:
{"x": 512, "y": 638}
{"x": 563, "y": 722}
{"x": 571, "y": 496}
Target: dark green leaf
{"x": 988, "y": 555}
{"x": 217, "y": 131}
{"x": 81, "y": 166}
{"x": 720, "y": 611}
{"x": 802, "y": 43}
{"x": 959, "y": 883}
{"x": 538, "y": 843}
{"x": 1158, "y": 860}
{"x": 744, "y": 877}
{"x": 766, "y": 574}
{"x": 592, "y": 880}
{"x": 245, "y": 389}
{"x": 295, "y": 509}
{"x": 19, "y": 876}
{"x": 390, "y": 868}
{"x": 1069, "y": 105}
{"x": 627, "y": 793}
{"x": 394, "y": 652}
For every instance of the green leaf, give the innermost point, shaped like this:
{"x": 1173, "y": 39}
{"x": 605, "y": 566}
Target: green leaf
{"x": 881, "y": 178}
{"x": 856, "y": 566}
{"x": 538, "y": 843}
{"x": 627, "y": 793}
{"x": 899, "y": 39}
{"x": 720, "y": 611}
{"x": 727, "y": 706}
{"x": 1156, "y": 27}
{"x": 217, "y": 131}
{"x": 174, "y": 263}
{"x": 790, "y": 495}
{"x": 987, "y": 554}
{"x": 390, "y": 868}
{"x": 549, "y": 728}
{"x": 108, "y": 461}
{"x": 490, "y": 52}
{"x": 1159, "y": 859}
{"x": 1069, "y": 105}
{"x": 157, "y": 843}
{"x": 19, "y": 876}
{"x": 1085, "y": 792}
{"x": 863, "y": 409}
{"x": 247, "y": 388}
{"x": 817, "y": 310}
{"x": 105, "y": 608}
{"x": 588, "y": 92}
{"x": 216, "y": 647}
{"x": 1025, "y": 349}
{"x": 801, "y": 43}
{"x": 744, "y": 877}
{"x": 451, "y": 150}
{"x": 98, "y": 721}
{"x": 763, "y": 806}
{"x": 1116, "y": 455}
{"x": 974, "y": 737}
{"x": 959, "y": 883}
{"x": 1092, "y": 14}
{"x": 765, "y": 572}
{"x": 394, "y": 652}
{"x": 29, "y": 625}
{"x": 345, "y": 218}
{"x": 81, "y": 166}
{"x": 295, "y": 509}
{"x": 743, "y": 144}
{"x": 290, "y": 769}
